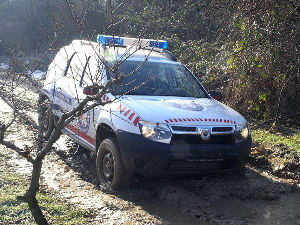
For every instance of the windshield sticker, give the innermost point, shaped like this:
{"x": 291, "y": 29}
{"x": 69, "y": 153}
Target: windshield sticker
{"x": 190, "y": 106}
{"x": 84, "y": 122}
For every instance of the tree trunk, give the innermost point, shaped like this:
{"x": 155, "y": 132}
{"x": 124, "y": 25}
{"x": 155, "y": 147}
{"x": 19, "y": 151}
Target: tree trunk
{"x": 30, "y": 196}
{"x": 36, "y": 211}
{"x": 35, "y": 179}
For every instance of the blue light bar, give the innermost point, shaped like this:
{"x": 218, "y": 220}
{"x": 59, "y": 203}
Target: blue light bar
{"x": 158, "y": 44}
{"x": 126, "y": 41}
{"x": 108, "y": 40}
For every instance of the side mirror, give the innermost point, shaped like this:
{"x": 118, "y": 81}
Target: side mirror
{"x": 216, "y": 95}
{"x": 91, "y": 90}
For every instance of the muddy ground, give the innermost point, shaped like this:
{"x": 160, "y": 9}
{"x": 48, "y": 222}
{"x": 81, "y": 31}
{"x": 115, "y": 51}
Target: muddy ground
{"x": 258, "y": 198}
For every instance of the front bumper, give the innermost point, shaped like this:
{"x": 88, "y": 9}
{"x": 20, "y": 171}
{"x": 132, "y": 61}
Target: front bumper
{"x": 151, "y": 158}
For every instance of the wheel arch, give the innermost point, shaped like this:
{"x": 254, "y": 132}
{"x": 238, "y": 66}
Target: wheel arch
{"x": 104, "y": 131}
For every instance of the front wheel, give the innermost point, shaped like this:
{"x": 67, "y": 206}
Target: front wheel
{"x": 110, "y": 168}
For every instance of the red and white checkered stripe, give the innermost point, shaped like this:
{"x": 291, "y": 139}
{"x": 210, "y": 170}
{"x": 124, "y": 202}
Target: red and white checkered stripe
{"x": 128, "y": 113}
{"x": 186, "y": 120}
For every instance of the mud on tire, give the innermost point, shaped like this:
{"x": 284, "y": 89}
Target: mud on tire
{"x": 111, "y": 172}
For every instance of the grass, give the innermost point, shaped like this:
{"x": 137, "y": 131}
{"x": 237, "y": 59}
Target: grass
{"x": 290, "y": 140}
{"x": 13, "y": 211}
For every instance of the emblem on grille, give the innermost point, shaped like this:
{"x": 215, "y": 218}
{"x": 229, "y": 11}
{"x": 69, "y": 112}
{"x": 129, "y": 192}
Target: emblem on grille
{"x": 205, "y": 134}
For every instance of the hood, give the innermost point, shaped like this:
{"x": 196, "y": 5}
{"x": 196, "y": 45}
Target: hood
{"x": 182, "y": 110}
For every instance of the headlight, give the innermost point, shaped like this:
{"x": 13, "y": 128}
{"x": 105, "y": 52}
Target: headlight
{"x": 242, "y": 132}
{"x": 156, "y": 131}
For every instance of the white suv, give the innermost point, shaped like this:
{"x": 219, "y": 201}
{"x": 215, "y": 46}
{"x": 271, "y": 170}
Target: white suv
{"x": 158, "y": 120}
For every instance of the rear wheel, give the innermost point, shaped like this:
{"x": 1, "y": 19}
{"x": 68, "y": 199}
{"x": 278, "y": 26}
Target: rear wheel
{"x": 110, "y": 168}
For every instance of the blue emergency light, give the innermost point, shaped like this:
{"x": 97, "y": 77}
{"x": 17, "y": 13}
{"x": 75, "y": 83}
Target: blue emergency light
{"x": 158, "y": 44}
{"x": 109, "y": 40}
{"x": 125, "y": 41}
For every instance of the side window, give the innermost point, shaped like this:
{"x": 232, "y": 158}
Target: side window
{"x": 83, "y": 69}
{"x": 57, "y": 67}
{"x": 77, "y": 67}
{"x": 94, "y": 71}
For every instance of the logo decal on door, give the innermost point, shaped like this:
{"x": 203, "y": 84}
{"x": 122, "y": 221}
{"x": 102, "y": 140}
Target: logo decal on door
{"x": 84, "y": 122}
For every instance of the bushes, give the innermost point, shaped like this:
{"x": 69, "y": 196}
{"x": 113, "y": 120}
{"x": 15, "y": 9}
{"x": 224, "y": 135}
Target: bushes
{"x": 248, "y": 50}
{"x": 263, "y": 58}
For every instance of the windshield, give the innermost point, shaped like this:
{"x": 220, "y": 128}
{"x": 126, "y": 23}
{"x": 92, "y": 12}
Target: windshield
{"x": 157, "y": 79}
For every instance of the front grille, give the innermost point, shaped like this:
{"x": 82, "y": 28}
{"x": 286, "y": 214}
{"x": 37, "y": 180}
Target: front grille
{"x": 221, "y": 129}
{"x": 187, "y": 129}
{"x": 196, "y": 139}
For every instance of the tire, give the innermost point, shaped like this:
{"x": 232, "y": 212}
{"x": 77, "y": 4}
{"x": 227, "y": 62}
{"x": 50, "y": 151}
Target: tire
{"x": 111, "y": 172}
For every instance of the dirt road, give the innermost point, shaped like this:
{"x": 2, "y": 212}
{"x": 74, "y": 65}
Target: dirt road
{"x": 69, "y": 171}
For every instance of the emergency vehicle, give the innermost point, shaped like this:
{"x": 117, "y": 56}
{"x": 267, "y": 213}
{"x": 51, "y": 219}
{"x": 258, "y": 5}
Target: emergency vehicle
{"x": 159, "y": 120}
